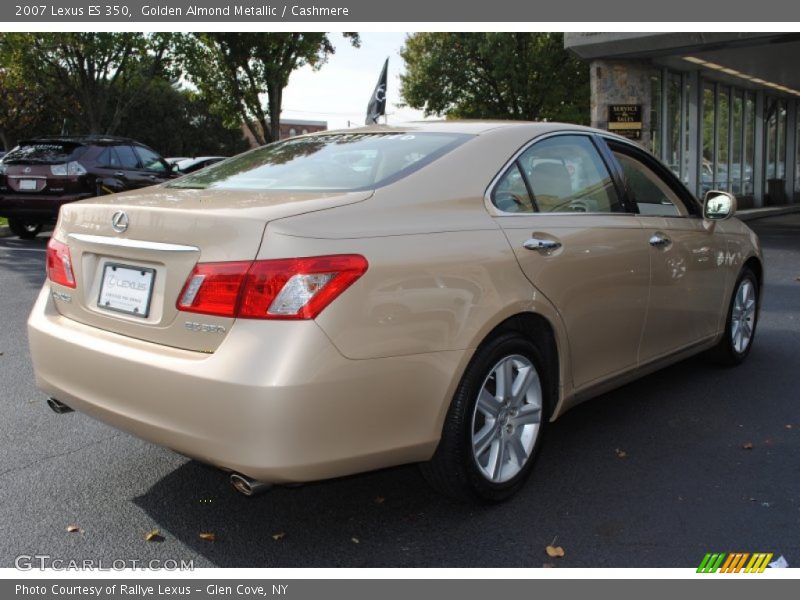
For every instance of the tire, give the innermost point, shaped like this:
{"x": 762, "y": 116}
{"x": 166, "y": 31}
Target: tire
{"x": 465, "y": 465}
{"x": 27, "y": 230}
{"x": 740, "y": 325}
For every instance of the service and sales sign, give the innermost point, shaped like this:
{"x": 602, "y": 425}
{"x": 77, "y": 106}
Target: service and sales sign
{"x": 626, "y": 120}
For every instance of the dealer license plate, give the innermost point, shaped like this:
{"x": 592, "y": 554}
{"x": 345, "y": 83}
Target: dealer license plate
{"x": 127, "y": 289}
{"x": 27, "y": 185}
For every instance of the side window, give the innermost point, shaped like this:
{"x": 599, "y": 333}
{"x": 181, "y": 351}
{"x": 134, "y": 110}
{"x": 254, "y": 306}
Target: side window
{"x": 567, "y": 174}
{"x": 654, "y": 198}
{"x": 511, "y": 194}
{"x": 108, "y": 158}
{"x": 150, "y": 160}
{"x": 127, "y": 157}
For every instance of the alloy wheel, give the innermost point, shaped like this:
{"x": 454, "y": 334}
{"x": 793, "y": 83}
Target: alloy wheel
{"x": 743, "y": 316}
{"x": 507, "y": 418}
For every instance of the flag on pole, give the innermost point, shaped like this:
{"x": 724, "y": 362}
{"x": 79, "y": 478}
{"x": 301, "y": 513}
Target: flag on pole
{"x": 377, "y": 103}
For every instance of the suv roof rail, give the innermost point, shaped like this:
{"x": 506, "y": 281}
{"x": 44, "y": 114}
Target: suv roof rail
{"x": 94, "y": 138}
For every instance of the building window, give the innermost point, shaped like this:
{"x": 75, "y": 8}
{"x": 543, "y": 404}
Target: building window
{"x": 655, "y": 113}
{"x": 673, "y": 139}
{"x": 709, "y": 127}
{"x": 748, "y": 187}
{"x": 797, "y": 152}
{"x": 721, "y": 177}
{"x": 737, "y": 133}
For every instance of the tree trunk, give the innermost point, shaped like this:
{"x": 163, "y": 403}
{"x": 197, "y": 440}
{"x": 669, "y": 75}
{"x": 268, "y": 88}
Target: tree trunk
{"x": 274, "y": 101}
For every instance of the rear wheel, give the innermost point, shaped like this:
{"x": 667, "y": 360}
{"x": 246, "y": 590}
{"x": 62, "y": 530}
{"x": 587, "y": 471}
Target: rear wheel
{"x": 27, "y": 230}
{"x": 740, "y": 327}
{"x": 493, "y": 428}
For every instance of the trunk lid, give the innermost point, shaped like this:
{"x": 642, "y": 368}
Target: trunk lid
{"x": 168, "y": 231}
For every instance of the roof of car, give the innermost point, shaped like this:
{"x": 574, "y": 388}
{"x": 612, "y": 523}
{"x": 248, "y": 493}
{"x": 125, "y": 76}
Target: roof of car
{"x": 101, "y": 140}
{"x": 471, "y": 127}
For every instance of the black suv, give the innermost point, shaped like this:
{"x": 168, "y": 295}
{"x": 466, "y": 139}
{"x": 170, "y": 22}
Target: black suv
{"x": 41, "y": 174}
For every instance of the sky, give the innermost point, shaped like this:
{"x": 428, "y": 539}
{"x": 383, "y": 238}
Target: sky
{"x": 340, "y": 90}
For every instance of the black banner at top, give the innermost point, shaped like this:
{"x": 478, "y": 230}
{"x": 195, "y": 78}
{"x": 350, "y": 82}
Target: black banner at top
{"x": 450, "y": 11}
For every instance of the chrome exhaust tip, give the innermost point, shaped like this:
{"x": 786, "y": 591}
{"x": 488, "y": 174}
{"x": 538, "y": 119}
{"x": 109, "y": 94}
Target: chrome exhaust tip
{"x": 58, "y": 407}
{"x": 247, "y": 486}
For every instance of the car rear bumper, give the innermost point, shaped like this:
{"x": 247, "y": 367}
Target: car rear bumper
{"x": 35, "y": 206}
{"x": 276, "y": 401}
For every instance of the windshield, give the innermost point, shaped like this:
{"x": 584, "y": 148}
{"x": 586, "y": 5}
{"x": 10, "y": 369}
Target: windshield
{"x": 329, "y": 162}
{"x": 45, "y": 152}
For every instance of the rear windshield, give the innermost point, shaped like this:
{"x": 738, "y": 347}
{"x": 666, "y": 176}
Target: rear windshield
{"x": 331, "y": 162}
{"x": 44, "y": 152}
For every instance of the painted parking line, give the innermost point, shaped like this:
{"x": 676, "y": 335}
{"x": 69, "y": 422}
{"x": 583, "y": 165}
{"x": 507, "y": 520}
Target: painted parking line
{"x": 23, "y": 249}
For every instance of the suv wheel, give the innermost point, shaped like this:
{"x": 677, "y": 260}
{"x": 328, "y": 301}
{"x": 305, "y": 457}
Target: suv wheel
{"x": 27, "y": 230}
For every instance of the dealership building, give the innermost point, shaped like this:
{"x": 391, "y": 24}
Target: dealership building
{"x": 722, "y": 110}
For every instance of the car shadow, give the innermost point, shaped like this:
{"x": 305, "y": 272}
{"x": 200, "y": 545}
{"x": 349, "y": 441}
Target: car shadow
{"x": 639, "y": 476}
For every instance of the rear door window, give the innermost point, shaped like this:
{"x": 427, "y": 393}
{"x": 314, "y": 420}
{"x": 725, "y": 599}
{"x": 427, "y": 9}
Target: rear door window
{"x": 567, "y": 174}
{"x": 127, "y": 157}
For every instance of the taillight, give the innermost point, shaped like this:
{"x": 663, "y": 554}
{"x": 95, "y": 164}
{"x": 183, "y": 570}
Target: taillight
{"x": 289, "y": 288}
{"x": 59, "y": 264}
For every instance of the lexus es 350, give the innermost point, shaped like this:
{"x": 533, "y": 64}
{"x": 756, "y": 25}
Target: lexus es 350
{"x": 346, "y": 301}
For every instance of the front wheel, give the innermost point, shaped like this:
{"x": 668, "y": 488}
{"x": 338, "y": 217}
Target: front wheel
{"x": 493, "y": 428}
{"x": 740, "y": 326}
{"x": 27, "y": 230}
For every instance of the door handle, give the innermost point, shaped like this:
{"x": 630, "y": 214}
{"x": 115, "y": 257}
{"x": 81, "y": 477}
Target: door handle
{"x": 539, "y": 244}
{"x": 119, "y": 174}
{"x": 659, "y": 240}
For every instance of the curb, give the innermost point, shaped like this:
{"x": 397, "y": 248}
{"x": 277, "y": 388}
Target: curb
{"x": 751, "y": 214}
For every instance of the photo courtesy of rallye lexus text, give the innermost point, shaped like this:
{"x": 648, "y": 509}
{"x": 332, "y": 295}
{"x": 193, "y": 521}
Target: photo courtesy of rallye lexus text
{"x": 346, "y": 301}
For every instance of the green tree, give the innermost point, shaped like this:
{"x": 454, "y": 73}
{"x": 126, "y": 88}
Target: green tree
{"x": 26, "y": 109}
{"x": 101, "y": 73}
{"x": 176, "y": 121}
{"x": 526, "y": 76}
{"x": 234, "y": 70}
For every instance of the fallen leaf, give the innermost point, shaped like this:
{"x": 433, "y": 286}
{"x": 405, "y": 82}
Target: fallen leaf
{"x": 621, "y": 453}
{"x": 747, "y": 445}
{"x": 154, "y": 536}
{"x": 208, "y": 536}
{"x": 74, "y": 529}
{"x": 355, "y": 540}
{"x": 278, "y": 536}
{"x": 380, "y": 500}
{"x": 555, "y": 551}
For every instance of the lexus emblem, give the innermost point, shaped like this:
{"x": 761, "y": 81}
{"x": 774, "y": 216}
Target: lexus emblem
{"x": 27, "y": 170}
{"x": 119, "y": 222}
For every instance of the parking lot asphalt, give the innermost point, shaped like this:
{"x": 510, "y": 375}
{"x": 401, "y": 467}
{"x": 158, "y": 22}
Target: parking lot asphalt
{"x": 654, "y": 474}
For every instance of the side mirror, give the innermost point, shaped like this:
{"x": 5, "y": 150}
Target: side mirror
{"x": 718, "y": 206}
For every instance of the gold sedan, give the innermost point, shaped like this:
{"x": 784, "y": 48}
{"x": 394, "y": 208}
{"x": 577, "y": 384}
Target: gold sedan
{"x": 347, "y": 301}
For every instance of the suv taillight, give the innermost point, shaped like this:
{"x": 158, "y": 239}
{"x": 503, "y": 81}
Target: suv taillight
{"x": 59, "y": 264}
{"x": 288, "y": 288}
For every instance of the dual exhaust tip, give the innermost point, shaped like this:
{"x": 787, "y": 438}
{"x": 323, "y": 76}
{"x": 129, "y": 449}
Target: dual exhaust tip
{"x": 247, "y": 486}
{"x": 241, "y": 483}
